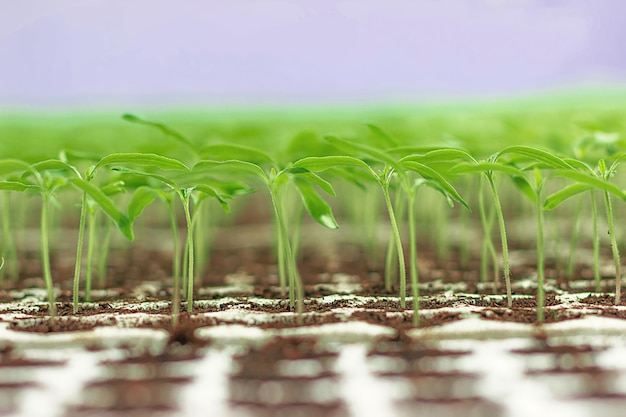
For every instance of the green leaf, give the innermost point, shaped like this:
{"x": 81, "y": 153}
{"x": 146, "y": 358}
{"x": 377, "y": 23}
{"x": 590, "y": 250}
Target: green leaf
{"x": 317, "y": 180}
{"x": 522, "y": 183}
{"x": 17, "y": 186}
{"x": 113, "y": 188}
{"x": 107, "y": 205}
{"x": 555, "y": 199}
{"x": 142, "y": 159}
{"x": 318, "y": 209}
{"x": 232, "y": 166}
{"x": 55, "y": 165}
{"x": 170, "y": 183}
{"x": 440, "y": 155}
{"x": 485, "y": 168}
{"x": 225, "y": 152}
{"x": 208, "y": 191}
{"x": 359, "y": 148}
{"x": 540, "y": 155}
{"x": 386, "y": 138}
{"x": 9, "y": 166}
{"x": 163, "y": 128}
{"x": 592, "y": 181}
{"x": 142, "y": 198}
{"x": 429, "y": 173}
{"x": 324, "y": 163}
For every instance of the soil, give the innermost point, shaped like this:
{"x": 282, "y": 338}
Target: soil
{"x": 289, "y": 375}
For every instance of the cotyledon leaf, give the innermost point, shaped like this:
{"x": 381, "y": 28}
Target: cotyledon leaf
{"x": 317, "y": 180}
{"x": 107, "y": 205}
{"x": 9, "y": 166}
{"x": 429, "y": 173}
{"x": 163, "y": 128}
{"x": 17, "y": 186}
{"x": 440, "y": 155}
{"x": 142, "y": 159}
{"x": 370, "y": 151}
{"x": 142, "y": 198}
{"x": 555, "y": 199}
{"x": 537, "y": 154}
{"x": 317, "y": 207}
{"x": 324, "y": 163}
{"x": 485, "y": 167}
{"x": 225, "y": 152}
{"x": 592, "y": 181}
{"x": 388, "y": 140}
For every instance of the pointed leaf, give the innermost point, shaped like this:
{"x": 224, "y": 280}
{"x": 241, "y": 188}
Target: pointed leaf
{"x": 225, "y": 152}
{"x": 9, "y": 166}
{"x": 317, "y": 180}
{"x": 142, "y": 159}
{"x": 324, "y": 163}
{"x": 429, "y": 173}
{"x": 233, "y": 166}
{"x": 208, "y": 191}
{"x": 142, "y": 198}
{"x": 555, "y": 199}
{"x": 362, "y": 149}
{"x": 537, "y": 154}
{"x": 318, "y": 209}
{"x": 387, "y": 140}
{"x": 163, "y": 128}
{"x": 522, "y": 183}
{"x": 440, "y": 155}
{"x": 592, "y": 181}
{"x": 17, "y": 186}
{"x": 107, "y": 205}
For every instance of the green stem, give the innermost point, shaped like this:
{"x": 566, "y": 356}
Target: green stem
{"x": 8, "y": 241}
{"x": 596, "y": 241}
{"x": 79, "y": 251}
{"x": 540, "y": 260}
{"x": 296, "y": 234}
{"x": 103, "y": 256}
{"x": 91, "y": 243}
{"x": 175, "y": 265}
{"x": 398, "y": 243}
{"x": 573, "y": 244}
{"x": 295, "y": 283}
{"x": 45, "y": 255}
{"x": 614, "y": 248}
{"x": 503, "y": 241}
{"x": 413, "y": 257}
{"x": 190, "y": 253}
{"x": 390, "y": 271}
{"x": 487, "y": 245}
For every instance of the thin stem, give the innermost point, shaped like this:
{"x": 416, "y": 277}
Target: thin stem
{"x": 79, "y": 251}
{"x": 503, "y": 241}
{"x": 396, "y": 236}
{"x": 8, "y": 241}
{"x": 45, "y": 255}
{"x": 296, "y": 234}
{"x": 596, "y": 241}
{"x": 91, "y": 243}
{"x": 415, "y": 291}
{"x": 573, "y": 244}
{"x": 190, "y": 254}
{"x": 103, "y": 257}
{"x": 614, "y": 248}
{"x": 390, "y": 271}
{"x": 295, "y": 283}
{"x": 487, "y": 245}
{"x": 540, "y": 260}
{"x": 175, "y": 264}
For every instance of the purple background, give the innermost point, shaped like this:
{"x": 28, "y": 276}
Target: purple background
{"x": 180, "y": 52}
